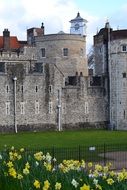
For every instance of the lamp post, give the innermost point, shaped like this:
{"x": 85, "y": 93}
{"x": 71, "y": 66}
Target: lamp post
{"x": 15, "y": 122}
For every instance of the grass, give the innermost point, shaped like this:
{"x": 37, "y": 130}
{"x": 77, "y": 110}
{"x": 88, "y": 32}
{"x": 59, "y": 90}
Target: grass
{"x": 63, "y": 139}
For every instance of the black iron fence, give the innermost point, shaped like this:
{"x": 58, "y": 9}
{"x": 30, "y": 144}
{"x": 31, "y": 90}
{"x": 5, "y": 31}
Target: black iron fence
{"x": 102, "y": 154}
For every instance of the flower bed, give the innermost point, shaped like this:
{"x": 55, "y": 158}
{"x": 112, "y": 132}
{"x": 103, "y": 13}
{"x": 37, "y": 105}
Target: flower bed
{"x": 22, "y": 171}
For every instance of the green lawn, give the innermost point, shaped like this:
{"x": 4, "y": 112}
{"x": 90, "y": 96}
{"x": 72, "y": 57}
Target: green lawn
{"x": 63, "y": 139}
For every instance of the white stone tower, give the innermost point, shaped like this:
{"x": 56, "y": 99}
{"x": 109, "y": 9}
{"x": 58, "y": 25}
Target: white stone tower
{"x": 78, "y": 25}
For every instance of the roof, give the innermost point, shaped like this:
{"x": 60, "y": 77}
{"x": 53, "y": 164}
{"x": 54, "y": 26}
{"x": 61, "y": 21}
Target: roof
{"x": 119, "y": 34}
{"x": 78, "y": 18}
{"x": 14, "y": 43}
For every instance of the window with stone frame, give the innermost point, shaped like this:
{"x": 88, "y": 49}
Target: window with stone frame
{"x": 124, "y": 48}
{"x": 124, "y": 114}
{"x": 2, "y": 67}
{"x": 36, "y": 88}
{"x": 37, "y": 107}
{"x": 38, "y": 67}
{"x": 50, "y": 108}
{"x": 124, "y": 75}
{"x": 22, "y": 108}
{"x": 43, "y": 52}
{"x": 86, "y": 108}
{"x": 7, "y": 89}
{"x": 50, "y": 88}
{"x": 22, "y": 88}
{"x": 65, "y": 51}
{"x": 7, "y": 108}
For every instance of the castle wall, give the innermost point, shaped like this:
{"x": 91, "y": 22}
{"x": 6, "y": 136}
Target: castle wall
{"x": 54, "y": 44}
{"x": 118, "y": 84}
{"x": 39, "y": 79}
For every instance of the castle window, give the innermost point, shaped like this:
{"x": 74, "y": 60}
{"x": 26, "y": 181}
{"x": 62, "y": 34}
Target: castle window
{"x": 124, "y": 48}
{"x": 65, "y": 51}
{"x": 2, "y": 67}
{"x": 43, "y": 52}
{"x": 124, "y": 115}
{"x": 124, "y": 75}
{"x": 36, "y": 88}
{"x": 36, "y": 107}
{"x": 38, "y": 67}
{"x": 7, "y": 108}
{"x": 86, "y": 108}
{"x": 7, "y": 88}
{"x": 50, "y": 88}
{"x": 50, "y": 107}
{"x": 22, "y": 107}
{"x": 22, "y": 88}
{"x": 81, "y": 52}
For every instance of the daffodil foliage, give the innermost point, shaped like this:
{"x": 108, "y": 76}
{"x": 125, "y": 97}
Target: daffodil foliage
{"x": 22, "y": 171}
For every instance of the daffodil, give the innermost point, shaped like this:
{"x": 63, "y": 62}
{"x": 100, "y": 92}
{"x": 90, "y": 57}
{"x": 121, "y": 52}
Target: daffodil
{"x": 37, "y": 184}
{"x": 19, "y": 176}
{"x": 10, "y": 164}
{"x": 110, "y": 181}
{"x": 12, "y": 172}
{"x": 98, "y": 187}
{"x": 46, "y": 185}
{"x": 38, "y": 156}
{"x": 26, "y": 171}
{"x": 58, "y": 186}
{"x": 98, "y": 167}
{"x": 74, "y": 183}
{"x": 90, "y": 164}
{"x": 120, "y": 176}
{"x": 21, "y": 149}
{"x": 85, "y": 187}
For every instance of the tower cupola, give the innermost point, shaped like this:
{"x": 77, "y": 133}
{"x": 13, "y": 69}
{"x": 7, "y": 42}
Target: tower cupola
{"x": 78, "y": 25}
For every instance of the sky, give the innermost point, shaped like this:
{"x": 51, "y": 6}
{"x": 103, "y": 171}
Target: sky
{"x": 19, "y": 15}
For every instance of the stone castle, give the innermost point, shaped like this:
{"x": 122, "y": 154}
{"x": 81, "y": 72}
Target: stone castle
{"x": 45, "y": 83}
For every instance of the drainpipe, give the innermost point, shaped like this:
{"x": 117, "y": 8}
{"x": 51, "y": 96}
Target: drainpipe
{"x": 59, "y": 110}
{"x": 15, "y": 122}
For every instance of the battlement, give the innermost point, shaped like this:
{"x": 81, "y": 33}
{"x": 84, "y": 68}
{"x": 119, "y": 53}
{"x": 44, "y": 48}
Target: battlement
{"x": 26, "y": 53}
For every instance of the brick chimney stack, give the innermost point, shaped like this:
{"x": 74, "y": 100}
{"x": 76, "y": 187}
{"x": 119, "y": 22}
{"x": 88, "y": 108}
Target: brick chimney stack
{"x": 6, "y": 39}
{"x": 43, "y": 28}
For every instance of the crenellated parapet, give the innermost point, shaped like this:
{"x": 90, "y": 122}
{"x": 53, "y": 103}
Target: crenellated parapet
{"x": 26, "y": 53}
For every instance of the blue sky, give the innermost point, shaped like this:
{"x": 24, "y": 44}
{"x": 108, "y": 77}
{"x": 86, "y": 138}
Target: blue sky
{"x": 19, "y": 15}
{"x": 101, "y": 7}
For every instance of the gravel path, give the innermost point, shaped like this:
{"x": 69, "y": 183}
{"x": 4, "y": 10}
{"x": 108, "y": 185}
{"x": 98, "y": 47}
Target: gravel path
{"x": 118, "y": 159}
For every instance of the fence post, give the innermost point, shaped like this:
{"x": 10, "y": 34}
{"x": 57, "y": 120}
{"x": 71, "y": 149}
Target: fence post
{"x": 104, "y": 154}
{"x": 79, "y": 153}
{"x": 53, "y": 154}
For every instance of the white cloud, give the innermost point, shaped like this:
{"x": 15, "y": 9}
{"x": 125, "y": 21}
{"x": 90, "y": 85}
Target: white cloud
{"x": 18, "y": 15}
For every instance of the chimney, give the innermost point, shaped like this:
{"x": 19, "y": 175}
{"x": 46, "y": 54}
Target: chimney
{"x": 6, "y": 39}
{"x": 43, "y": 28}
